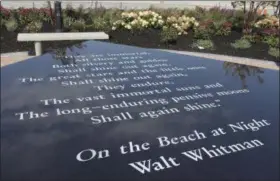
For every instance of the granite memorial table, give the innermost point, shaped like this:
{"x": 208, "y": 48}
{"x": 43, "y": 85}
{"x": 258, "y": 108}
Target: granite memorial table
{"x": 102, "y": 111}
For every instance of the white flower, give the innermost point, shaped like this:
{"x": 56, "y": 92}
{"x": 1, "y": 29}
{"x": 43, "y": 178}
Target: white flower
{"x": 145, "y": 13}
{"x": 160, "y": 22}
{"x": 131, "y": 15}
{"x": 127, "y": 27}
{"x": 114, "y": 28}
{"x": 133, "y": 22}
{"x": 196, "y": 24}
{"x": 144, "y": 23}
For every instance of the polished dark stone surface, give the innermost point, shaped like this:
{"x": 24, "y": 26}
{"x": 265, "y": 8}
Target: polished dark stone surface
{"x": 46, "y": 148}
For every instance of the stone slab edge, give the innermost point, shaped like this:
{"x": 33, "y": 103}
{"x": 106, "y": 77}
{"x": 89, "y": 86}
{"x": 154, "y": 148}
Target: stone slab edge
{"x": 239, "y": 60}
{"x": 8, "y": 58}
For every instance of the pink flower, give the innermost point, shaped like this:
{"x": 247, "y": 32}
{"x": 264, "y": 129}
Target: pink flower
{"x": 24, "y": 11}
{"x": 5, "y": 12}
{"x": 206, "y": 23}
{"x": 227, "y": 25}
{"x": 271, "y": 31}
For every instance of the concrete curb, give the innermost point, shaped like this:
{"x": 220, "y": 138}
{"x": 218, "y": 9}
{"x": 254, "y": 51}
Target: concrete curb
{"x": 13, "y": 54}
{"x": 13, "y": 57}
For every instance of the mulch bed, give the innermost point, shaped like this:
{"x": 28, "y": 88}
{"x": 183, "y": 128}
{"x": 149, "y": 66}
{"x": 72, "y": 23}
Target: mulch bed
{"x": 149, "y": 39}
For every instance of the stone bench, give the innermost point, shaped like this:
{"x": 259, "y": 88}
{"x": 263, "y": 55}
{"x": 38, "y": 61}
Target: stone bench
{"x": 39, "y": 37}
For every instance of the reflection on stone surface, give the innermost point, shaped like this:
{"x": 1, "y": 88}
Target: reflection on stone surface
{"x": 61, "y": 54}
{"x": 243, "y": 71}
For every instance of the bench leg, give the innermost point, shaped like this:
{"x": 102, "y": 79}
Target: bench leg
{"x": 38, "y": 48}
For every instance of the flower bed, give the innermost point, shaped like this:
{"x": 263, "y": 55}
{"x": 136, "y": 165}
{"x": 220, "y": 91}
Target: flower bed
{"x": 213, "y": 31}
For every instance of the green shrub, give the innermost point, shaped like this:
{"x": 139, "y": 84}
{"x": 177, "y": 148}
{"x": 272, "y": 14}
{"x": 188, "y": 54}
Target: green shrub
{"x": 168, "y": 35}
{"x": 252, "y": 38}
{"x": 192, "y": 13}
{"x": 68, "y": 21}
{"x": 11, "y": 24}
{"x": 222, "y": 28}
{"x": 69, "y": 12}
{"x": 241, "y": 44}
{"x": 215, "y": 14}
{"x": 5, "y": 13}
{"x": 200, "y": 10}
{"x": 109, "y": 15}
{"x": 205, "y": 30}
{"x": 203, "y": 44}
{"x": 112, "y": 15}
{"x": 97, "y": 12}
{"x": 100, "y": 24}
{"x": 168, "y": 12}
{"x": 272, "y": 41}
{"x": 202, "y": 33}
{"x": 106, "y": 21}
{"x": 29, "y": 15}
{"x": 3, "y": 22}
{"x": 237, "y": 19}
{"x": 78, "y": 25}
{"x": 79, "y": 12}
{"x": 208, "y": 28}
{"x": 34, "y": 27}
{"x": 275, "y": 52}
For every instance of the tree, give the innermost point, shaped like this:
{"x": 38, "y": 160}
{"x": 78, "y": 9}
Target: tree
{"x": 276, "y": 8}
{"x": 243, "y": 72}
{"x": 250, "y": 14}
{"x": 239, "y": 4}
{"x": 50, "y": 9}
